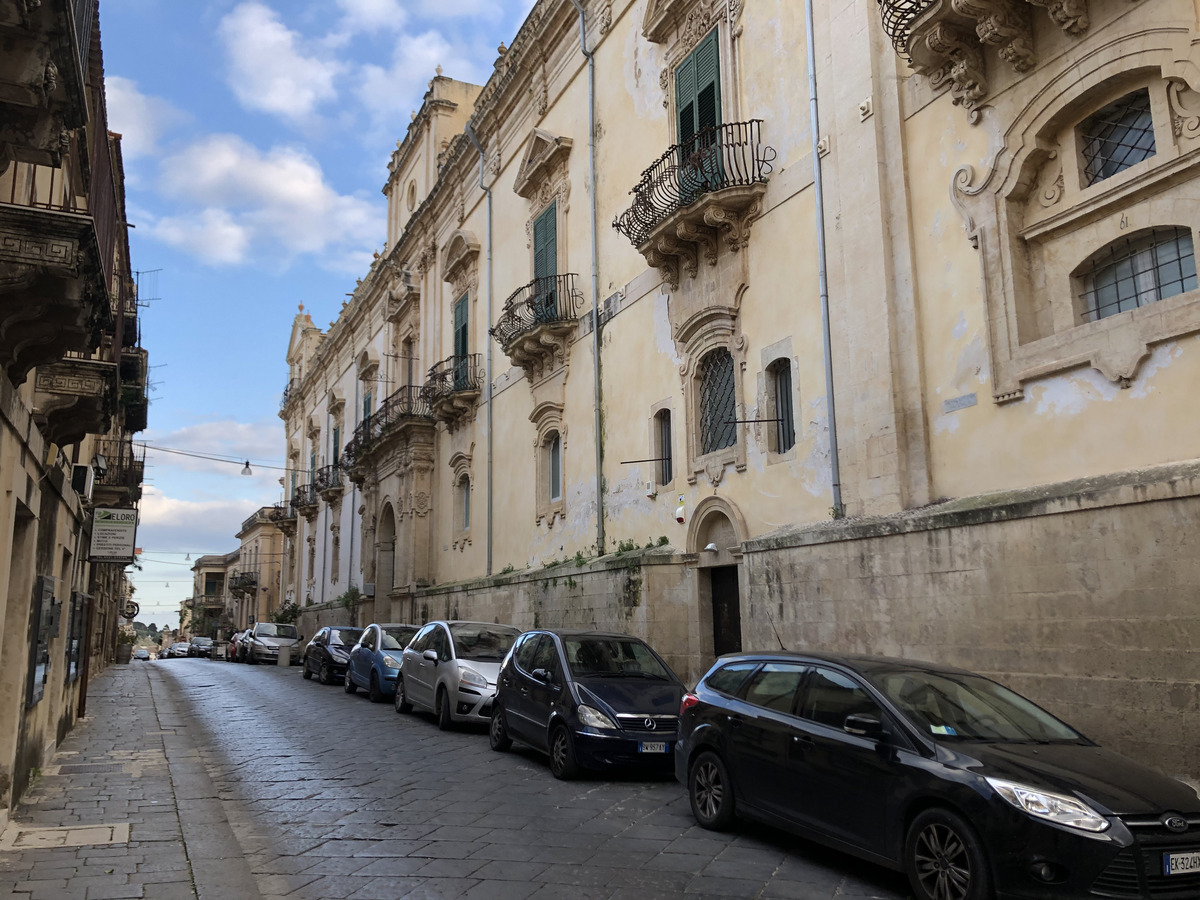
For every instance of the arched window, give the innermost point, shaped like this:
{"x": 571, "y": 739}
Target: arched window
{"x": 718, "y": 409}
{"x": 1137, "y": 270}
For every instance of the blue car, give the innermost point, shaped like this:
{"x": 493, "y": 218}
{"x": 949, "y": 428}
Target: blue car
{"x": 375, "y": 659}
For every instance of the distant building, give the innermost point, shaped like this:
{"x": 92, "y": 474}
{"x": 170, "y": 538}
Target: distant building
{"x": 586, "y": 383}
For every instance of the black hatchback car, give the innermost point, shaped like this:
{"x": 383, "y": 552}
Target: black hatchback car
{"x": 968, "y": 787}
{"x": 591, "y": 700}
{"x": 328, "y": 653}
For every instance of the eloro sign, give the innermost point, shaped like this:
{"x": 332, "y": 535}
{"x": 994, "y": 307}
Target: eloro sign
{"x": 114, "y": 532}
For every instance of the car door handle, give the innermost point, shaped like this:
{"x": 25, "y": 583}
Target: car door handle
{"x": 804, "y": 741}
{"x": 735, "y": 722}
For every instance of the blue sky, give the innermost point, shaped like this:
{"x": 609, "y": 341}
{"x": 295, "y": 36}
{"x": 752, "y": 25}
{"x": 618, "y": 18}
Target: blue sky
{"x": 256, "y": 137}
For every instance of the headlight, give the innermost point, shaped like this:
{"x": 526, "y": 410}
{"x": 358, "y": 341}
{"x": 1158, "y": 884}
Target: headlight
{"x": 473, "y": 678}
{"x": 593, "y": 718}
{"x": 391, "y": 662}
{"x": 1057, "y": 808}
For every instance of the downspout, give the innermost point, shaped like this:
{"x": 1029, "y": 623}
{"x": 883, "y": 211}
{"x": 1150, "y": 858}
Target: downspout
{"x": 822, "y": 276}
{"x": 596, "y": 385}
{"x": 474, "y": 139}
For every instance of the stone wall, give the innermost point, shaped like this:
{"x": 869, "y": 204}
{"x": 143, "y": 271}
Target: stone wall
{"x": 1085, "y": 596}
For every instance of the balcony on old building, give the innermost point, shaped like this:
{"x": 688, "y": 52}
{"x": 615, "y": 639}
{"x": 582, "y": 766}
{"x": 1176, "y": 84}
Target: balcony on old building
{"x": 398, "y": 416}
{"x": 305, "y": 501}
{"x": 453, "y": 386}
{"x": 243, "y": 584}
{"x": 284, "y": 517}
{"x": 292, "y": 388}
{"x": 699, "y": 194}
{"x": 537, "y": 323}
{"x": 73, "y": 397}
{"x": 328, "y": 482}
{"x": 120, "y": 483}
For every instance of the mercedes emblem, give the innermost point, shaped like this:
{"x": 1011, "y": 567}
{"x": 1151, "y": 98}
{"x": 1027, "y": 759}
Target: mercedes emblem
{"x": 650, "y": 726}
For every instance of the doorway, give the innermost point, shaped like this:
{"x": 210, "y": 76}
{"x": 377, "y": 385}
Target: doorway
{"x": 726, "y": 610}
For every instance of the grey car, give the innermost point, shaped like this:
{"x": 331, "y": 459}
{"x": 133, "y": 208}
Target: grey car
{"x": 450, "y": 669}
{"x": 264, "y": 639}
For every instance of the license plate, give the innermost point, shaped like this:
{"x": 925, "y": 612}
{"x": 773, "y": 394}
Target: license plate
{"x": 1181, "y": 863}
{"x": 652, "y": 747}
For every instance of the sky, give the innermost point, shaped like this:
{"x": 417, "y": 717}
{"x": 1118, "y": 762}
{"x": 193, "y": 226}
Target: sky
{"x": 256, "y": 137}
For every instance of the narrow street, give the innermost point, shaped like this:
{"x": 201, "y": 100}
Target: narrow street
{"x": 287, "y": 788}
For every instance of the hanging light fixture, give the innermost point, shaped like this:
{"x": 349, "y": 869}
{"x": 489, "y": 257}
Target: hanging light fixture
{"x": 246, "y": 469}
{"x": 188, "y": 558}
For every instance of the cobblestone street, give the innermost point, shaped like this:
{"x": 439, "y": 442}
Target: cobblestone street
{"x": 246, "y": 782}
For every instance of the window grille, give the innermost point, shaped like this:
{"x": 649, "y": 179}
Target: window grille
{"x": 1117, "y": 137}
{"x": 1138, "y": 270}
{"x": 665, "y": 466}
{"x": 785, "y": 425}
{"x": 717, "y": 407}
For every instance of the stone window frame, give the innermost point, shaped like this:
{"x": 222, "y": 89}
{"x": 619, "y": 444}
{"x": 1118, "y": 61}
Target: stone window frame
{"x": 713, "y": 328}
{"x": 657, "y": 411}
{"x": 460, "y": 465}
{"x": 1144, "y": 240}
{"x": 1035, "y": 220}
{"x": 773, "y": 360}
{"x": 547, "y": 420}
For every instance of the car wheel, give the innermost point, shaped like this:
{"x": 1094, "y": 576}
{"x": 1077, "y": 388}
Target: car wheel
{"x": 374, "y": 694}
{"x": 562, "y": 755}
{"x": 401, "y": 698}
{"x": 443, "y": 710}
{"x": 350, "y": 687}
{"x": 711, "y": 792}
{"x": 250, "y": 658}
{"x": 325, "y": 676}
{"x": 307, "y": 673}
{"x": 944, "y": 858}
{"x": 498, "y": 731}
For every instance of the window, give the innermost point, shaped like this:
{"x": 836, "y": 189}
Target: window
{"x": 464, "y": 503}
{"x": 662, "y": 446}
{"x": 718, "y": 428}
{"x": 730, "y": 678}
{"x": 460, "y": 343}
{"x": 1117, "y": 137}
{"x": 545, "y": 263}
{"x": 366, "y": 405}
{"x": 409, "y": 362}
{"x": 554, "y": 465}
{"x": 337, "y": 443}
{"x": 774, "y": 686}
{"x": 831, "y": 696}
{"x": 779, "y": 384}
{"x": 1137, "y": 270}
{"x": 43, "y": 623}
{"x": 698, "y": 114}
{"x": 312, "y": 467}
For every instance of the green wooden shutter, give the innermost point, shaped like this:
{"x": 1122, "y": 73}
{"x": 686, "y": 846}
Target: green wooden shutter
{"x": 545, "y": 263}
{"x": 337, "y": 444}
{"x": 460, "y": 343}
{"x": 698, "y": 89}
{"x": 685, "y": 99}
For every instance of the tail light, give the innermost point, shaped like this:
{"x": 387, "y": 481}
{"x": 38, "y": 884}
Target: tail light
{"x": 689, "y": 700}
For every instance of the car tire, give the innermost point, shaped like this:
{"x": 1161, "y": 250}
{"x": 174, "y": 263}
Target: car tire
{"x": 374, "y": 694}
{"x": 711, "y": 792}
{"x": 563, "y": 764}
{"x": 498, "y": 731}
{"x": 350, "y": 687}
{"x": 944, "y": 858}
{"x": 443, "y": 710}
{"x": 324, "y": 675}
{"x": 401, "y": 699}
{"x": 307, "y": 673}
{"x": 250, "y": 658}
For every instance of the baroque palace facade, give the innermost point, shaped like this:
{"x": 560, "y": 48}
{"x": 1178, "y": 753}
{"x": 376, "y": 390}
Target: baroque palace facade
{"x": 587, "y": 380}
{"x": 73, "y": 386}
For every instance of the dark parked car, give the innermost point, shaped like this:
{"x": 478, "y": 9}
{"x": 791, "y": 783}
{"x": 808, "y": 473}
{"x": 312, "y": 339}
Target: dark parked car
{"x": 375, "y": 659}
{"x": 328, "y": 653}
{"x": 589, "y": 699}
{"x": 200, "y": 646}
{"x": 968, "y": 787}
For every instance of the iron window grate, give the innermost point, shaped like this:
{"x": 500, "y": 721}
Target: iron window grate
{"x": 718, "y": 428}
{"x": 1117, "y": 137}
{"x": 1139, "y": 270}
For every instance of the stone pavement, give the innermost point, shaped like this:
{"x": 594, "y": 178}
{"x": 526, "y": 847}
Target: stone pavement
{"x": 103, "y": 821}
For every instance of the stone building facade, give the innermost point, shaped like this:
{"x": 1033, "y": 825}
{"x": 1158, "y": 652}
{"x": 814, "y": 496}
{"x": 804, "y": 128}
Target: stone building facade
{"x": 586, "y": 382}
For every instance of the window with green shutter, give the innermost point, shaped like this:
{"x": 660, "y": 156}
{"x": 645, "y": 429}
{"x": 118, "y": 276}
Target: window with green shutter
{"x": 460, "y": 343}
{"x": 698, "y": 114}
{"x": 545, "y": 264}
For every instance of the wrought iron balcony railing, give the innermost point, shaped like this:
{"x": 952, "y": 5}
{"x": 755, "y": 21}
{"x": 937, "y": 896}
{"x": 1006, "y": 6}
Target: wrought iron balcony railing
{"x": 406, "y": 404}
{"x": 282, "y": 512}
{"x": 243, "y": 581}
{"x": 329, "y": 478}
{"x": 287, "y": 395}
{"x": 454, "y": 375}
{"x": 544, "y": 301}
{"x": 305, "y": 496}
{"x": 725, "y": 156}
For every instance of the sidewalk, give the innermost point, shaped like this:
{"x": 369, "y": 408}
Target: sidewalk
{"x": 102, "y": 822}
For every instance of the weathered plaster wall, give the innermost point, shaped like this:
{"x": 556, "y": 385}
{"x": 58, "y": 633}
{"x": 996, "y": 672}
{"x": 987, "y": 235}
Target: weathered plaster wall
{"x": 1081, "y": 596}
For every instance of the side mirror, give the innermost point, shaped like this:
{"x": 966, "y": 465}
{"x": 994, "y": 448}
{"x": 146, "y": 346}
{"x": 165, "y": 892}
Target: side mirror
{"x": 863, "y": 726}
{"x": 430, "y": 655}
{"x": 542, "y": 675}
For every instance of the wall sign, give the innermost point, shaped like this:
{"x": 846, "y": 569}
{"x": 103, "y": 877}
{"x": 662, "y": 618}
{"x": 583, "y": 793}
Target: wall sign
{"x": 113, "y": 535}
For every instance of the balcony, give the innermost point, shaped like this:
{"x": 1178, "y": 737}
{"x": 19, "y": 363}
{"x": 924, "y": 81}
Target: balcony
{"x": 697, "y": 195}
{"x": 537, "y": 323}
{"x": 305, "y": 501}
{"x": 398, "y": 417}
{"x": 121, "y": 483}
{"x": 243, "y": 584}
{"x": 328, "y": 482}
{"x": 453, "y": 386}
{"x": 75, "y": 397}
{"x": 293, "y": 387}
{"x": 283, "y": 516}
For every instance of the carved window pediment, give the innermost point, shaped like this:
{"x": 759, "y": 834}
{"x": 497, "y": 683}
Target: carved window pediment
{"x": 460, "y": 260}
{"x": 335, "y": 402}
{"x": 664, "y": 18}
{"x": 543, "y": 155}
{"x": 367, "y": 364}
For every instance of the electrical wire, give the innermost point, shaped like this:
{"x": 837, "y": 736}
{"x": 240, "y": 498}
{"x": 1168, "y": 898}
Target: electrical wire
{"x": 236, "y": 460}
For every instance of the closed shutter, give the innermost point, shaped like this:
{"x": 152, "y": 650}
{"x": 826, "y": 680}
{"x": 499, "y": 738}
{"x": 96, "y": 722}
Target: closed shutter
{"x": 698, "y": 89}
{"x": 460, "y": 343}
{"x": 545, "y": 263}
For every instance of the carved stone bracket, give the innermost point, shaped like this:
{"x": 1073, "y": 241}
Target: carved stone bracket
{"x": 542, "y": 349}
{"x": 75, "y": 397}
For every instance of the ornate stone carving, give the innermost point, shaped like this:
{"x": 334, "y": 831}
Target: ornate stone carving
{"x": 1070, "y": 15}
{"x": 606, "y": 17}
{"x": 1185, "y": 109}
{"x": 1004, "y": 24}
{"x": 961, "y": 67}
{"x": 545, "y": 156}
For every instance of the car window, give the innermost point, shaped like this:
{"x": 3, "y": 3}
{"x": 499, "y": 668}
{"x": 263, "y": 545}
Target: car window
{"x": 524, "y": 652}
{"x": 396, "y": 638}
{"x": 482, "y": 642}
{"x": 421, "y": 642}
{"x": 831, "y": 696}
{"x": 440, "y": 644}
{"x": 368, "y": 638}
{"x": 775, "y": 685}
{"x": 614, "y": 657}
{"x": 728, "y": 679}
{"x": 346, "y": 637}
{"x": 546, "y": 655}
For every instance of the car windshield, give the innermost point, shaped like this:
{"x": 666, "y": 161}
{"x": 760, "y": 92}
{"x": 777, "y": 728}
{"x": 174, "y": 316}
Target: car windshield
{"x": 202, "y": 642}
{"x": 345, "y": 636}
{"x": 613, "y": 658}
{"x": 970, "y": 708}
{"x": 268, "y": 629}
{"x": 397, "y": 638}
{"x": 482, "y": 642}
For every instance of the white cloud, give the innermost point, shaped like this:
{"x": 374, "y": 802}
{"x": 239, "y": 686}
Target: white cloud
{"x": 271, "y": 69}
{"x": 278, "y": 201}
{"x": 486, "y": 9}
{"x": 390, "y": 93}
{"x": 372, "y": 15}
{"x": 139, "y": 118}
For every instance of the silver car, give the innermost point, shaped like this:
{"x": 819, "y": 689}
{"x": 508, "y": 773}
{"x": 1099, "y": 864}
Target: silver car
{"x": 450, "y": 669}
{"x": 264, "y": 640}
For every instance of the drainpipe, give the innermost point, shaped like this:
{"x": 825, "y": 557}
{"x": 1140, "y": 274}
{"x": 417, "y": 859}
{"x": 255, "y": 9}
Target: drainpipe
{"x": 822, "y": 275}
{"x": 474, "y": 139}
{"x": 597, "y": 390}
